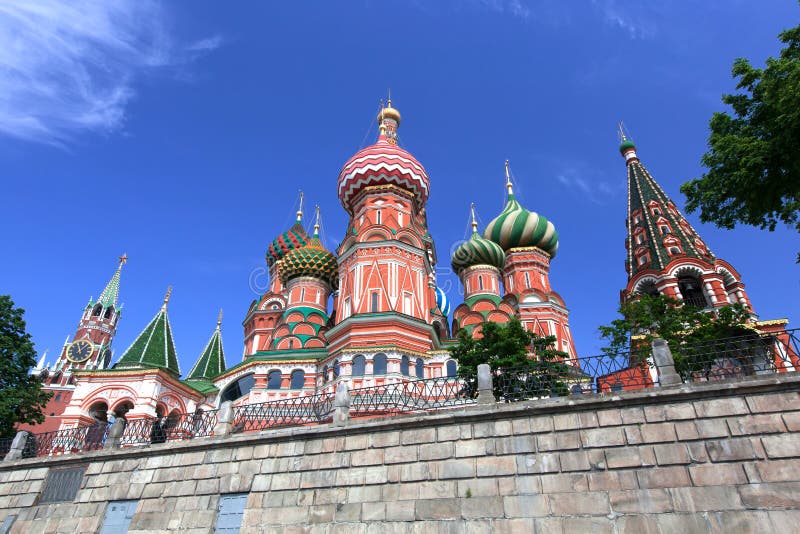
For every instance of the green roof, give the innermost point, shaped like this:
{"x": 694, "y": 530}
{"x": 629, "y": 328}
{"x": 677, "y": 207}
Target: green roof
{"x": 110, "y": 294}
{"x": 518, "y": 227}
{"x": 212, "y": 360}
{"x": 202, "y": 386}
{"x": 477, "y": 251}
{"x": 153, "y": 348}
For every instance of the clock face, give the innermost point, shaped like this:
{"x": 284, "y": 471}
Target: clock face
{"x": 79, "y": 351}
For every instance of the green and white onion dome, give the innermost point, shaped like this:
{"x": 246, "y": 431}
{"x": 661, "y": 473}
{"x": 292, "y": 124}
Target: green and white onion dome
{"x": 517, "y": 227}
{"x": 477, "y": 251}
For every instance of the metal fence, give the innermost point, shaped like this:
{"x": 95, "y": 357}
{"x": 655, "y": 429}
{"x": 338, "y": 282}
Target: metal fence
{"x": 411, "y": 396}
{"x": 295, "y": 411}
{"x": 68, "y": 440}
{"x": 173, "y": 427}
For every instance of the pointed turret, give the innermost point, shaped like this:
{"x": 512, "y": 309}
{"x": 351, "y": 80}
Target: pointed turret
{"x": 212, "y": 360}
{"x": 657, "y": 232}
{"x": 110, "y": 294}
{"x": 154, "y": 347}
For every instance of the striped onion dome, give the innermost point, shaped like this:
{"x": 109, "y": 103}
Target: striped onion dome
{"x": 310, "y": 260}
{"x": 442, "y": 301}
{"x": 293, "y": 238}
{"x": 477, "y": 251}
{"x": 517, "y": 227}
{"x": 383, "y": 163}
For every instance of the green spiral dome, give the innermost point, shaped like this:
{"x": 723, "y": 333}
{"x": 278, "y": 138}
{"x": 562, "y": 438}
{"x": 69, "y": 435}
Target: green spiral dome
{"x": 517, "y": 227}
{"x": 311, "y": 260}
{"x": 477, "y": 251}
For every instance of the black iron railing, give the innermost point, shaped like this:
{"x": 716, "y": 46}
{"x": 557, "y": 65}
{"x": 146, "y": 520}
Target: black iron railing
{"x": 623, "y": 371}
{"x": 411, "y": 396}
{"x": 295, "y": 411}
{"x": 68, "y": 440}
{"x": 751, "y": 354}
{"x": 5, "y": 446}
{"x": 174, "y": 427}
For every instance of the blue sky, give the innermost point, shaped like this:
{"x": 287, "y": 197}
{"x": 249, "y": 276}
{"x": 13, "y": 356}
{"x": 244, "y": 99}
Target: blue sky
{"x": 180, "y": 133}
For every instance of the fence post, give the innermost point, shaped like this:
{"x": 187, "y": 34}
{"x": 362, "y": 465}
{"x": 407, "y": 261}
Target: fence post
{"x": 18, "y": 445}
{"x": 665, "y": 364}
{"x": 224, "y": 420}
{"x": 114, "y": 437}
{"x": 485, "y": 386}
{"x": 341, "y": 404}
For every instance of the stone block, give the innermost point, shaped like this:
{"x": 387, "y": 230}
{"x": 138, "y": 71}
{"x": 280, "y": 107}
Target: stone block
{"x": 482, "y": 487}
{"x": 697, "y": 452}
{"x": 779, "y": 470}
{"x": 721, "y": 407}
{"x": 637, "y": 524}
{"x": 682, "y": 523}
{"x": 439, "y": 489}
{"x": 367, "y": 457}
{"x": 284, "y": 481}
{"x": 792, "y": 421}
{"x": 387, "y": 439}
{"x": 541, "y": 423}
{"x": 784, "y": 446}
{"x": 511, "y": 445}
{"x": 658, "y": 432}
{"x": 717, "y": 475}
{"x": 623, "y": 457}
{"x": 671, "y": 454}
{"x": 321, "y": 514}
{"x": 377, "y": 474}
{"x": 771, "y": 495}
{"x": 526, "y": 506}
{"x": 595, "y": 525}
{"x": 521, "y": 426}
{"x": 774, "y": 402}
{"x": 437, "y": 509}
{"x": 399, "y": 511}
{"x": 587, "y": 419}
{"x": 664, "y": 477}
{"x": 756, "y": 424}
{"x": 492, "y": 466}
{"x": 633, "y": 435}
{"x": 502, "y": 428}
{"x": 373, "y": 511}
{"x": 592, "y": 503}
{"x": 347, "y": 512}
{"x": 435, "y": 451}
{"x": 632, "y": 415}
{"x": 470, "y": 448}
{"x": 319, "y": 479}
{"x": 704, "y": 499}
{"x": 574, "y": 461}
{"x": 448, "y": 433}
{"x": 461, "y": 468}
{"x": 784, "y": 520}
{"x": 602, "y": 437}
{"x": 603, "y": 481}
{"x": 543, "y": 525}
{"x": 728, "y": 450}
{"x": 642, "y": 501}
{"x": 712, "y": 428}
{"x": 538, "y": 463}
{"x": 546, "y": 442}
{"x": 686, "y": 431}
{"x": 481, "y": 507}
{"x": 566, "y": 421}
{"x": 215, "y": 456}
{"x": 741, "y": 521}
{"x": 421, "y": 435}
{"x": 399, "y": 455}
{"x": 564, "y": 483}
{"x": 357, "y": 442}
{"x": 609, "y": 418}
{"x": 567, "y": 440}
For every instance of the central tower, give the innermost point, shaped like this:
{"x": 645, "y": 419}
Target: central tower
{"x": 386, "y": 297}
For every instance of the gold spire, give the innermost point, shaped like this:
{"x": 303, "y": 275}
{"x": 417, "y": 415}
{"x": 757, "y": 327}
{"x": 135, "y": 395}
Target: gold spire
{"x": 300, "y": 209}
{"x": 387, "y": 112}
{"x": 316, "y": 222}
{"x": 166, "y": 298}
{"x": 509, "y": 185}
{"x": 474, "y": 223}
{"x": 219, "y": 319}
{"x": 123, "y": 259}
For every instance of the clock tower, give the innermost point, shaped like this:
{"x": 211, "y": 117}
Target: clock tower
{"x": 90, "y": 348}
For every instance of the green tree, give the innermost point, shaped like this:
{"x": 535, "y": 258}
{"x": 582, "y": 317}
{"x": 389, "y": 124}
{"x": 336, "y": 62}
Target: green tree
{"x": 683, "y": 328}
{"x": 753, "y": 158}
{"x": 522, "y": 361}
{"x": 21, "y": 395}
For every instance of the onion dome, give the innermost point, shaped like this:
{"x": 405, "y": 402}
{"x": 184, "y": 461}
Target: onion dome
{"x": 477, "y": 251}
{"x": 294, "y": 237}
{"x": 310, "y": 260}
{"x": 517, "y": 227}
{"x": 442, "y": 301}
{"x": 383, "y": 163}
{"x": 626, "y": 145}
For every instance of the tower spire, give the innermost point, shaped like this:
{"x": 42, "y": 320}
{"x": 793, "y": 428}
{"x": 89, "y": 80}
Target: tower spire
{"x": 474, "y": 222}
{"x": 300, "y": 208}
{"x": 110, "y": 294}
{"x": 509, "y": 185}
{"x": 219, "y": 319}
{"x": 166, "y": 298}
{"x": 316, "y": 222}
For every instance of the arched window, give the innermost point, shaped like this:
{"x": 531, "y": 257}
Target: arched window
{"x": 674, "y": 250}
{"x": 404, "y": 366}
{"x": 96, "y": 311}
{"x": 108, "y": 313}
{"x": 420, "y": 368}
{"x": 648, "y": 287}
{"x": 99, "y": 411}
{"x": 123, "y": 408}
{"x": 379, "y": 364}
{"x": 238, "y": 389}
{"x": 298, "y": 379}
{"x": 274, "y": 380}
{"x": 692, "y": 291}
{"x": 359, "y": 363}
{"x": 451, "y": 368}
{"x": 480, "y": 282}
{"x": 335, "y": 368}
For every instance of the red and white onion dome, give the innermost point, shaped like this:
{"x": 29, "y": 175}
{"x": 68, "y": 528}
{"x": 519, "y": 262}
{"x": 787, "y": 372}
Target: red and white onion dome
{"x": 383, "y": 163}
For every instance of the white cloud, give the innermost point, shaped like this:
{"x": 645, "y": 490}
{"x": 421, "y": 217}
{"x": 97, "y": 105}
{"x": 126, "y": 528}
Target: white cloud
{"x": 628, "y": 18}
{"x": 589, "y": 184}
{"x": 70, "y": 67}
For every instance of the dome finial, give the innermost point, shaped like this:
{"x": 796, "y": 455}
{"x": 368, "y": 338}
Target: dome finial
{"x": 626, "y": 147}
{"x": 509, "y": 185}
{"x": 300, "y": 209}
{"x": 166, "y": 298}
{"x": 388, "y": 121}
{"x": 474, "y": 223}
{"x": 123, "y": 259}
{"x": 219, "y": 319}
{"x": 316, "y": 222}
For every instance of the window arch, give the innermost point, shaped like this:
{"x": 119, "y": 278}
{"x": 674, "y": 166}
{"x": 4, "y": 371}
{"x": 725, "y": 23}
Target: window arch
{"x": 647, "y": 287}
{"x": 298, "y": 379}
{"x": 404, "y": 364}
{"x": 379, "y": 364}
{"x": 99, "y": 411}
{"x": 238, "y": 389}
{"x": 109, "y": 312}
{"x": 96, "y": 311}
{"x": 451, "y": 368}
{"x": 359, "y": 363}
{"x": 274, "y": 380}
{"x": 420, "y": 368}
{"x": 691, "y": 288}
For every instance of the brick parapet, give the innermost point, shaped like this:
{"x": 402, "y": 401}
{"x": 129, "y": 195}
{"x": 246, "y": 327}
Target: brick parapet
{"x": 699, "y": 458}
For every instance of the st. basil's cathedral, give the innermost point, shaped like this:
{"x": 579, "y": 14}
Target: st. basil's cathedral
{"x": 371, "y": 313}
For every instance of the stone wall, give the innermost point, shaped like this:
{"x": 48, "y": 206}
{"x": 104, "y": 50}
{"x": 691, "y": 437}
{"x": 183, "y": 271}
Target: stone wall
{"x": 716, "y": 457}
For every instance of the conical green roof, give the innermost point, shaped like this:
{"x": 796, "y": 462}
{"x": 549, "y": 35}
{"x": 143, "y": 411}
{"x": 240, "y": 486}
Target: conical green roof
{"x": 212, "y": 360}
{"x": 154, "y": 347}
{"x": 110, "y": 294}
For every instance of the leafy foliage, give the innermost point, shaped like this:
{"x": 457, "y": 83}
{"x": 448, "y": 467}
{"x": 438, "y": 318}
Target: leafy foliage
{"x": 682, "y": 327}
{"x": 508, "y": 349}
{"x": 753, "y": 159}
{"x": 21, "y": 395}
